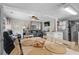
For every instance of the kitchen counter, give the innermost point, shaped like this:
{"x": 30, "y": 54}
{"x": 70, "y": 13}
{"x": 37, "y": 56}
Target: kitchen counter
{"x": 55, "y": 35}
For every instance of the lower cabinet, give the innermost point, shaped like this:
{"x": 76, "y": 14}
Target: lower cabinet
{"x": 55, "y": 35}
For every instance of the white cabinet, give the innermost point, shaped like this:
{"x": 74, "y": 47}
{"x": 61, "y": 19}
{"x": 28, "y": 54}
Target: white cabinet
{"x": 55, "y": 35}
{"x": 58, "y": 35}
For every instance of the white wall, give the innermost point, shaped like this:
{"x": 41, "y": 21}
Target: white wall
{"x": 18, "y": 25}
{"x": 1, "y": 28}
{"x": 52, "y": 26}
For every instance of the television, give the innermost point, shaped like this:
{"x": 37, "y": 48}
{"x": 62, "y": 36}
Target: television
{"x": 47, "y": 23}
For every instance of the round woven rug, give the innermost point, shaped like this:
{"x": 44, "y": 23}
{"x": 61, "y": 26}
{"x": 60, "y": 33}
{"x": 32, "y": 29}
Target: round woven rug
{"x": 55, "y": 48}
{"x": 39, "y": 51}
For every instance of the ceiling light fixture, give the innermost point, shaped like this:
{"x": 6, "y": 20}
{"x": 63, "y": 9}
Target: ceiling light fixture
{"x": 34, "y": 18}
{"x": 70, "y": 10}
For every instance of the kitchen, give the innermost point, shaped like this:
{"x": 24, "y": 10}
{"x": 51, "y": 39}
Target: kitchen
{"x": 54, "y": 22}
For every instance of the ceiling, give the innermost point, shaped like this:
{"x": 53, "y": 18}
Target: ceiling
{"x": 25, "y": 10}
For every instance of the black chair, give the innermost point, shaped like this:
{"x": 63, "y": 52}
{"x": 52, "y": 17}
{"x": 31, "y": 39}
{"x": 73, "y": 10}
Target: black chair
{"x": 19, "y": 40}
{"x": 40, "y": 33}
{"x": 8, "y": 43}
{"x": 37, "y": 33}
{"x": 10, "y": 32}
